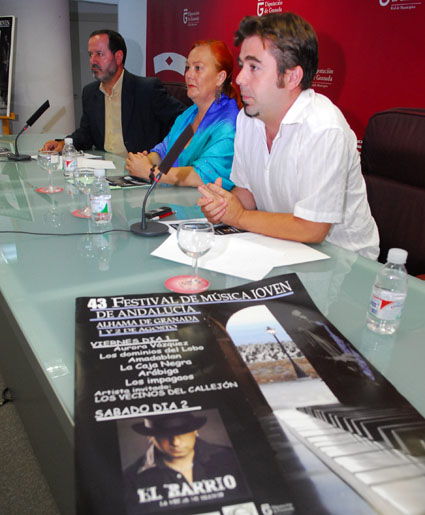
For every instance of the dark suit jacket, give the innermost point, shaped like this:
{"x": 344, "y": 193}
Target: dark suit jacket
{"x": 147, "y": 114}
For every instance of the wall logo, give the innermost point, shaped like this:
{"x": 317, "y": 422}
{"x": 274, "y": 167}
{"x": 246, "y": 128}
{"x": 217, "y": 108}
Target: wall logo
{"x": 323, "y": 79}
{"x": 169, "y": 61}
{"x": 260, "y": 8}
{"x": 401, "y": 5}
{"x": 191, "y": 18}
{"x": 265, "y": 7}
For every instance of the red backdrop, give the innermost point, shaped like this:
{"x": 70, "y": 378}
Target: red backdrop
{"x": 371, "y": 51}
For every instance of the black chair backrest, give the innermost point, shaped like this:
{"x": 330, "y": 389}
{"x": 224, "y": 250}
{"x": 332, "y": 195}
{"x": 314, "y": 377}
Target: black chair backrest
{"x": 179, "y": 91}
{"x": 393, "y": 164}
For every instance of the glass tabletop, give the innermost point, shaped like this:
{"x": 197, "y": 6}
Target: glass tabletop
{"x": 48, "y": 258}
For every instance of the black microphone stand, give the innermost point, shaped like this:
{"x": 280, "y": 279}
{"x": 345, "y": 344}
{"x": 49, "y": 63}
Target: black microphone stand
{"x": 17, "y": 156}
{"x": 149, "y": 228}
{"x": 155, "y": 228}
{"x": 32, "y": 119}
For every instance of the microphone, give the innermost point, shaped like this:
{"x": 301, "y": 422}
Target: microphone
{"x": 176, "y": 150}
{"x": 145, "y": 228}
{"x": 31, "y": 120}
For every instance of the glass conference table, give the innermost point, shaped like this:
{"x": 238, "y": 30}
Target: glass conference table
{"x": 42, "y": 272}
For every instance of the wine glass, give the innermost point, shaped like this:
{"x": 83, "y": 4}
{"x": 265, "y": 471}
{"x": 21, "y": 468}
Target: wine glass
{"x": 83, "y": 178}
{"x": 195, "y": 239}
{"x": 49, "y": 161}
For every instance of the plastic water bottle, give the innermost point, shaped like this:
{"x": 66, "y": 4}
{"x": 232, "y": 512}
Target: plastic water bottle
{"x": 100, "y": 199}
{"x": 69, "y": 157}
{"x": 388, "y": 294}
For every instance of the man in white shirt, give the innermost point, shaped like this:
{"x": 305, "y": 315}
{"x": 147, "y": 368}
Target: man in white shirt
{"x": 296, "y": 166}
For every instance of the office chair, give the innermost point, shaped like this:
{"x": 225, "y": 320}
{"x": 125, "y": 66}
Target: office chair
{"x": 393, "y": 164}
{"x": 179, "y": 91}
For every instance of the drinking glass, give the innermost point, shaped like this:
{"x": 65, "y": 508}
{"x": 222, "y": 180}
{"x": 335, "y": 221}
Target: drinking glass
{"x": 49, "y": 161}
{"x": 83, "y": 178}
{"x": 195, "y": 239}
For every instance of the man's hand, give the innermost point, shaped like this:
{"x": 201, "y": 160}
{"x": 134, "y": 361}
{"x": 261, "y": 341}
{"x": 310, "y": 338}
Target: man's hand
{"x": 52, "y": 144}
{"x": 211, "y": 203}
{"x": 238, "y": 208}
{"x": 220, "y": 205}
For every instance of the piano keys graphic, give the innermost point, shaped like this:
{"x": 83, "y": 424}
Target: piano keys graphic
{"x": 354, "y": 420}
{"x": 380, "y": 452}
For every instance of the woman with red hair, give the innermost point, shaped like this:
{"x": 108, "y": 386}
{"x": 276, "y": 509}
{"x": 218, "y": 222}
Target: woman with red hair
{"x": 216, "y": 103}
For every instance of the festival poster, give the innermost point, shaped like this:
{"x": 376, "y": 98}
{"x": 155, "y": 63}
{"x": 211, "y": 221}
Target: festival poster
{"x": 148, "y": 364}
{"x": 169, "y": 416}
{"x": 7, "y": 27}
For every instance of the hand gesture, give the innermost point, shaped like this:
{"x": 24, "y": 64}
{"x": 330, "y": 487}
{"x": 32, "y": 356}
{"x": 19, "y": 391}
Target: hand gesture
{"x": 52, "y": 144}
{"x": 220, "y": 205}
{"x": 139, "y": 164}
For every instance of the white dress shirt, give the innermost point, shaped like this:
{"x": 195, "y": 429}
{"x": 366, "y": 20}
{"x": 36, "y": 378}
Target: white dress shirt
{"x": 313, "y": 171}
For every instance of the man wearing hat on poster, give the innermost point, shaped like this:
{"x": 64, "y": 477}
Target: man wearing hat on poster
{"x": 179, "y": 464}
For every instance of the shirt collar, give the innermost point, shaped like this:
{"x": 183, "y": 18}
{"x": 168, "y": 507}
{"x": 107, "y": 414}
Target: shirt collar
{"x": 116, "y": 88}
{"x": 295, "y": 113}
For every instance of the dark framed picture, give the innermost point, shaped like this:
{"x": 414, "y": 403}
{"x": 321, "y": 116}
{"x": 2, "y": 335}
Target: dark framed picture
{"x": 7, "y": 31}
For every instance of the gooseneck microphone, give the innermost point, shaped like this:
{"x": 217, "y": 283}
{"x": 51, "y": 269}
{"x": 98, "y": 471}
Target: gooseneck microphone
{"x": 150, "y": 228}
{"x": 31, "y": 120}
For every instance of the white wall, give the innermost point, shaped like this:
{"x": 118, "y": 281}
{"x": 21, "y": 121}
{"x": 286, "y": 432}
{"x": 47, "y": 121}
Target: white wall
{"x": 42, "y": 67}
{"x": 132, "y": 27}
{"x": 85, "y": 17}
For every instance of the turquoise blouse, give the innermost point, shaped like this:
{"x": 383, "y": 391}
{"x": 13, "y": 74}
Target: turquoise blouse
{"x": 210, "y": 151}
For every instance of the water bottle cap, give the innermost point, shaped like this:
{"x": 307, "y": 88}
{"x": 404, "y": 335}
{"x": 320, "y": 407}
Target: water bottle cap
{"x": 68, "y": 141}
{"x": 99, "y": 172}
{"x": 397, "y": 256}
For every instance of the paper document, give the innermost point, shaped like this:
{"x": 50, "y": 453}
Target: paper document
{"x": 91, "y": 156}
{"x": 247, "y": 255}
{"x": 101, "y": 164}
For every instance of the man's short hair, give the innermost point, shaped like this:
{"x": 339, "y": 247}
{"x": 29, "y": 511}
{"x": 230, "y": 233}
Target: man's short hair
{"x": 116, "y": 41}
{"x": 293, "y": 41}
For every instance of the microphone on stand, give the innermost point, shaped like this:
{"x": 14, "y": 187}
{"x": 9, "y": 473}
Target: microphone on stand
{"x": 32, "y": 119}
{"x": 150, "y": 228}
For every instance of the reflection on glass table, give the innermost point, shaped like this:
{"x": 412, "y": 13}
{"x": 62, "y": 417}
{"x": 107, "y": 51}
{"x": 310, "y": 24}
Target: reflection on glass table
{"x": 54, "y": 217}
{"x": 83, "y": 178}
{"x": 49, "y": 161}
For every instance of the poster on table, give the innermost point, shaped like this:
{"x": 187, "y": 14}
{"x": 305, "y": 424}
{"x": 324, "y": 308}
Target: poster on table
{"x": 7, "y": 30}
{"x": 169, "y": 415}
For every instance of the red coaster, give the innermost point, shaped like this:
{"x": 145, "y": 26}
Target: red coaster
{"x": 185, "y": 284}
{"x": 79, "y": 213}
{"x": 56, "y": 189}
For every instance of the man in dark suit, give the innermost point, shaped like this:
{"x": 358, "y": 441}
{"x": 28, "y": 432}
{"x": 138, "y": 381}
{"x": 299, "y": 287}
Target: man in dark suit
{"x": 124, "y": 113}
